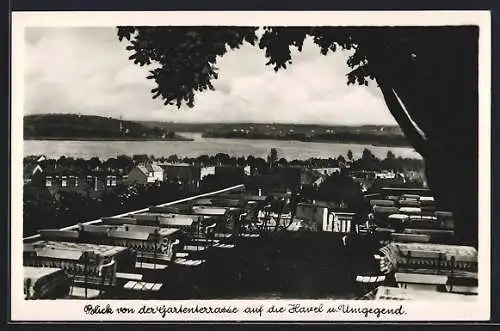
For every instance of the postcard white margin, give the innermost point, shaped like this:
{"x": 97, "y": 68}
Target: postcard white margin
{"x": 74, "y": 310}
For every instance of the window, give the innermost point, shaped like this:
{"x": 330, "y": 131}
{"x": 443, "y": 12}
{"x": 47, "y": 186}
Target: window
{"x": 64, "y": 181}
{"x": 113, "y": 180}
{"x": 48, "y": 181}
{"x": 108, "y": 181}
{"x": 76, "y": 181}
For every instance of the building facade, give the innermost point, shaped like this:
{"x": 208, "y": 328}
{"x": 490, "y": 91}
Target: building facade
{"x": 185, "y": 173}
{"x": 145, "y": 174}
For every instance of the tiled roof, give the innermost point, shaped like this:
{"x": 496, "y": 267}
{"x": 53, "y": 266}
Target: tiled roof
{"x": 143, "y": 169}
{"x": 156, "y": 168}
{"x": 147, "y": 168}
{"x": 62, "y": 171}
{"x": 166, "y": 165}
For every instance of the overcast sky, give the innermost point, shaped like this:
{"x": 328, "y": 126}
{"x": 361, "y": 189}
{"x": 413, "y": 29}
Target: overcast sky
{"x": 87, "y": 71}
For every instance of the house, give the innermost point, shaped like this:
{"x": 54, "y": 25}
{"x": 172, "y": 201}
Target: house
{"x": 247, "y": 170}
{"x": 384, "y": 174}
{"x": 325, "y": 216}
{"x": 183, "y": 172}
{"x": 144, "y": 174}
{"x": 205, "y": 171}
{"x": 32, "y": 167}
{"x": 59, "y": 179}
{"x": 320, "y": 180}
{"x": 328, "y": 171}
{"x": 101, "y": 181}
{"x": 309, "y": 209}
{"x": 93, "y": 184}
{"x": 339, "y": 222}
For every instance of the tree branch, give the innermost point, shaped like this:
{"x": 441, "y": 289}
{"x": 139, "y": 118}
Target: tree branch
{"x": 396, "y": 109}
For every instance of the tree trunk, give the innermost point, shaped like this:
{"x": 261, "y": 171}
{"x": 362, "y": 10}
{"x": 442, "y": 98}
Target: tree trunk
{"x": 451, "y": 163}
{"x": 451, "y": 158}
{"x": 441, "y": 96}
{"x": 398, "y": 112}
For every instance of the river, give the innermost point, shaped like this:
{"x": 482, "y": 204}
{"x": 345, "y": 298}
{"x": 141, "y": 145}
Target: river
{"x": 209, "y": 146}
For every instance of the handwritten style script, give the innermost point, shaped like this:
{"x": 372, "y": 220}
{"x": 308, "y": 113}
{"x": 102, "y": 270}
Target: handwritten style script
{"x": 166, "y": 311}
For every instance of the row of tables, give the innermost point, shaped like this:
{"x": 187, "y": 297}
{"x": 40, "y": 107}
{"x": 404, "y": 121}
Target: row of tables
{"x": 134, "y": 253}
{"x": 417, "y": 253}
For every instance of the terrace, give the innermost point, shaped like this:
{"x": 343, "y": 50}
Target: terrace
{"x": 176, "y": 250}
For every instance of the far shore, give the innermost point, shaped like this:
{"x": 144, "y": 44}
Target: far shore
{"x": 320, "y": 140}
{"x": 108, "y": 139}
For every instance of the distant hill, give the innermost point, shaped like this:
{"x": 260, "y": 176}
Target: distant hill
{"x": 384, "y": 135}
{"x": 87, "y": 127}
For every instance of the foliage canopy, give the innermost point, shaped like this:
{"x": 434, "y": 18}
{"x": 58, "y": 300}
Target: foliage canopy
{"x": 428, "y": 77}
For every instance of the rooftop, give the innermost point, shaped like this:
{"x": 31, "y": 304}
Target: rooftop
{"x": 175, "y": 165}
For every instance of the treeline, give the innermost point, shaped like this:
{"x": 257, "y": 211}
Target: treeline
{"x": 368, "y": 161}
{"x": 121, "y": 163}
{"x": 85, "y": 126}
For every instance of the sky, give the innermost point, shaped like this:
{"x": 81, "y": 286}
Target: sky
{"x": 87, "y": 71}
